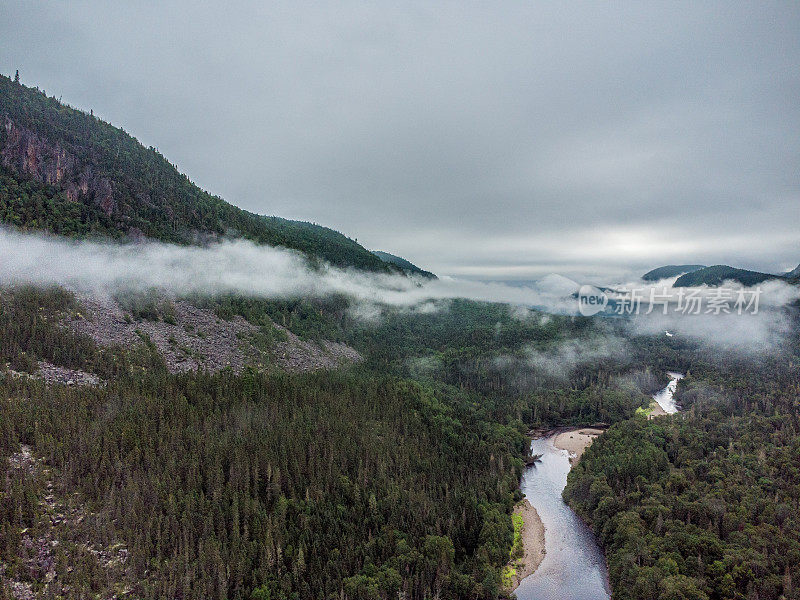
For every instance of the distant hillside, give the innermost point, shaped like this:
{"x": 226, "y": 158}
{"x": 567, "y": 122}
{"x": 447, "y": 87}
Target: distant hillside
{"x": 403, "y": 264}
{"x": 718, "y": 273}
{"x": 670, "y": 271}
{"x": 794, "y": 275}
{"x": 68, "y": 172}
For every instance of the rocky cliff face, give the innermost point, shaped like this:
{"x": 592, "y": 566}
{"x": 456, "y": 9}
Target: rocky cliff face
{"x": 26, "y": 152}
{"x": 65, "y": 171}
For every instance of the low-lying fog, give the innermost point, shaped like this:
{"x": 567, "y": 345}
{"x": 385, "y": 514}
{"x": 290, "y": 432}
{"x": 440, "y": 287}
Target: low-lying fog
{"x": 245, "y": 268}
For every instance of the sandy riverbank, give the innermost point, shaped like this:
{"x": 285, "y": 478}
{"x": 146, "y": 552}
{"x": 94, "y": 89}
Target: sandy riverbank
{"x": 576, "y": 441}
{"x": 532, "y": 542}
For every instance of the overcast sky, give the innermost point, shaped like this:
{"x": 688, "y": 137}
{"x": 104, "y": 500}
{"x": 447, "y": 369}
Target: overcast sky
{"x": 497, "y": 140}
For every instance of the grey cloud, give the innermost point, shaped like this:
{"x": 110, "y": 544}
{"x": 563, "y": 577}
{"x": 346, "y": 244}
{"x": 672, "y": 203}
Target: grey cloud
{"x": 464, "y": 137}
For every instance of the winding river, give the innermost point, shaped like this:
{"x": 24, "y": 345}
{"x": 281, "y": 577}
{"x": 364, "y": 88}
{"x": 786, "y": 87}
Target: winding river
{"x": 574, "y": 567}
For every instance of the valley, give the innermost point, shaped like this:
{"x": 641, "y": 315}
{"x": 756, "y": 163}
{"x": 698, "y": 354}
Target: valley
{"x": 202, "y": 402}
{"x": 576, "y": 568}
{"x": 574, "y": 565}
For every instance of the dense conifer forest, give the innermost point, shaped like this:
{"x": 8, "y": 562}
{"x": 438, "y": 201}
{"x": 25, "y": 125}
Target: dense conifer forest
{"x": 362, "y": 482}
{"x": 703, "y": 505}
{"x": 400, "y": 474}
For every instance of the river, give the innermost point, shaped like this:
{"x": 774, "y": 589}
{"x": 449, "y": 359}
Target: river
{"x": 574, "y": 567}
{"x": 665, "y": 397}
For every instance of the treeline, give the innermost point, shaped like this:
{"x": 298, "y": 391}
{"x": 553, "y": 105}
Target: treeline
{"x": 703, "y": 505}
{"x": 29, "y": 333}
{"x": 544, "y": 370}
{"x": 541, "y": 369}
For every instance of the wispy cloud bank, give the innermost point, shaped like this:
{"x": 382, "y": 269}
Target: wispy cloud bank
{"x": 754, "y": 330}
{"x": 228, "y": 267}
{"x": 241, "y": 267}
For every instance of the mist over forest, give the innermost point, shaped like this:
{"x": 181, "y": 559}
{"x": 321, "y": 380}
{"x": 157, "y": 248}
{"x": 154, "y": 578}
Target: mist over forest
{"x": 399, "y": 301}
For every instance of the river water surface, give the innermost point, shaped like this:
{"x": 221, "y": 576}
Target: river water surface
{"x": 574, "y": 567}
{"x": 665, "y": 397}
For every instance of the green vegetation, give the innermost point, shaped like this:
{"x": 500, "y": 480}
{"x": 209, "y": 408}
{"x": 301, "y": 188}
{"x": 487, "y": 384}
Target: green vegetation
{"x": 277, "y": 486}
{"x": 403, "y": 264}
{"x": 395, "y": 477}
{"x": 317, "y": 318}
{"x": 504, "y": 356}
{"x": 511, "y": 358}
{"x": 516, "y": 547}
{"x": 718, "y": 273}
{"x": 70, "y": 173}
{"x": 364, "y": 483}
{"x": 392, "y": 479}
{"x": 400, "y": 475}
{"x": 670, "y": 271}
{"x": 516, "y": 552}
{"x": 703, "y": 505}
{"x": 29, "y": 334}
{"x": 294, "y": 485}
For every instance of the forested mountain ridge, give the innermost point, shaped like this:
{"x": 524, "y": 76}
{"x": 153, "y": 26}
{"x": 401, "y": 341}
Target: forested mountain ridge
{"x": 697, "y": 275}
{"x": 398, "y": 474}
{"x": 356, "y": 484}
{"x": 392, "y": 477}
{"x": 65, "y": 171}
{"x": 794, "y": 275}
{"x": 715, "y": 275}
{"x": 670, "y": 271}
{"x": 403, "y": 264}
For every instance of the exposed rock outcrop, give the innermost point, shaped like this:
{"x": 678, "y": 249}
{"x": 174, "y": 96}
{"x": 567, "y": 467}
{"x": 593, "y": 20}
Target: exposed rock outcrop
{"x": 28, "y": 153}
{"x": 196, "y": 338}
{"x": 50, "y": 373}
